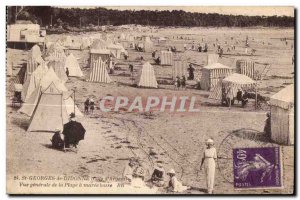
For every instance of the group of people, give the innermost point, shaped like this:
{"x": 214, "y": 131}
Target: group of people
{"x": 134, "y": 172}
{"x": 72, "y": 133}
{"x": 180, "y": 82}
{"x": 89, "y": 106}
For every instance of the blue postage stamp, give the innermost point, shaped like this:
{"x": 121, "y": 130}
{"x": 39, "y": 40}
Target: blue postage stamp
{"x": 257, "y": 168}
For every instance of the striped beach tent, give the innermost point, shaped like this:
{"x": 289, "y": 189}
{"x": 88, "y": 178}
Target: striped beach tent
{"x": 33, "y": 63}
{"x": 58, "y": 67}
{"x": 212, "y": 58}
{"x": 146, "y": 77}
{"x": 179, "y": 68}
{"x": 245, "y": 67}
{"x": 231, "y": 84}
{"x": 99, "y": 72}
{"x": 282, "y": 116}
{"x": 212, "y": 74}
{"x": 95, "y": 54}
{"x": 166, "y": 58}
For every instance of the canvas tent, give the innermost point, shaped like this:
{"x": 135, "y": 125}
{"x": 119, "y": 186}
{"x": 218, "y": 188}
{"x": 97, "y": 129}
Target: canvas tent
{"x": 35, "y": 52}
{"x": 51, "y": 110}
{"x": 212, "y": 74}
{"x": 49, "y": 78}
{"x": 96, "y": 54}
{"x": 166, "y": 58}
{"x": 282, "y": 116}
{"x": 212, "y": 58}
{"x": 116, "y": 50}
{"x": 231, "y": 84}
{"x": 33, "y": 81}
{"x": 245, "y": 67}
{"x": 99, "y": 72}
{"x": 73, "y": 66}
{"x": 58, "y": 67}
{"x": 147, "y": 77}
{"x": 179, "y": 68}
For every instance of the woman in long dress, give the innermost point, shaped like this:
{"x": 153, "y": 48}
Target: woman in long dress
{"x": 209, "y": 157}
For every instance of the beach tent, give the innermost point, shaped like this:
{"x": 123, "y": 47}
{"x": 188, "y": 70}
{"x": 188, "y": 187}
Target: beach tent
{"x": 98, "y": 44}
{"x": 212, "y": 74}
{"x": 179, "y": 68}
{"x": 49, "y": 78}
{"x": 122, "y": 36}
{"x": 148, "y": 45}
{"x": 33, "y": 63}
{"x": 33, "y": 81}
{"x": 282, "y": 116}
{"x": 73, "y": 66}
{"x": 166, "y": 58}
{"x": 52, "y": 110}
{"x": 96, "y": 54}
{"x": 35, "y": 52}
{"x": 146, "y": 77}
{"x": 212, "y": 58}
{"x": 21, "y": 75}
{"x": 245, "y": 67}
{"x": 231, "y": 84}
{"x": 99, "y": 72}
{"x": 59, "y": 69}
{"x": 116, "y": 50}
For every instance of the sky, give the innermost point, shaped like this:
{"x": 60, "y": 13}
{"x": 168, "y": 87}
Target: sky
{"x": 237, "y": 10}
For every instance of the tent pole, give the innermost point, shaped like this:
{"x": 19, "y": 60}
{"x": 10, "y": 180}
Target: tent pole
{"x": 74, "y": 102}
{"x": 256, "y": 95}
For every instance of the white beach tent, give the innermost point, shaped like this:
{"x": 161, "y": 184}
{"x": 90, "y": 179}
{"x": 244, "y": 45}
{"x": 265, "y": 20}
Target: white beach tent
{"x": 50, "y": 77}
{"x": 282, "y": 116}
{"x": 73, "y": 66}
{"x": 33, "y": 81}
{"x": 59, "y": 69}
{"x": 147, "y": 77}
{"x": 99, "y": 72}
{"x": 212, "y": 74}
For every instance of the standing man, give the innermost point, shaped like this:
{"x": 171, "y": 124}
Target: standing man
{"x": 208, "y": 159}
{"x": 67, "y": 72}
{"x": 191, "y": 72}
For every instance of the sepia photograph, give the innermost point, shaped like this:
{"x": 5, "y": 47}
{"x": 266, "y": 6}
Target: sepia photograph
{"x": 150, "y": 100}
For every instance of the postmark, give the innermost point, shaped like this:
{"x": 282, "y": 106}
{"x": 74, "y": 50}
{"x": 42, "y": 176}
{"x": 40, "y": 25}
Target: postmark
{"x": 257, "y": 168}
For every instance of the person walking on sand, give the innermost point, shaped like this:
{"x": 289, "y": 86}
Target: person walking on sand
{"x": 209, "y": 161}
{"x": 86, "y": 106}
{"x": 92, "y": 105}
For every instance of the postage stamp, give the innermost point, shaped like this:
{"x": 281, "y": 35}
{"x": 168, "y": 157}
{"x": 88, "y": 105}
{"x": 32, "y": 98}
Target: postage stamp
{"x": 257, "y": 168}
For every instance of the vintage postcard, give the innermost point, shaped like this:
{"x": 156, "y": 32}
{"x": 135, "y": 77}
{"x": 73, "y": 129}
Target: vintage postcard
{"x": 150, "y": 100}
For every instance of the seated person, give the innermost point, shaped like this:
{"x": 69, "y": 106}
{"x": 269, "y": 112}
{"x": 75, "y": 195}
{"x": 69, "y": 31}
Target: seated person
{"x": 239, "y": 95}
{"x": 244, "y": 99}
{"x": 157, "y": 60}
{"x": 57, "y": 141}
{"x": 158, "y": 175}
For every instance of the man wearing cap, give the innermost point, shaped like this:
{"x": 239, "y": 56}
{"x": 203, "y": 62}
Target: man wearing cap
{"x": 73, "y": 132}
{"x": 209, "y": 157}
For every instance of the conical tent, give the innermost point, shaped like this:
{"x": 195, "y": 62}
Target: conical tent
{"x": 49, "y": 78}
{"x": 73, "y": 66}
{"x": 50, "y": 111}
{"x": 33, "y": 81}
{"x": 98, "y": 44}
{"x": 35, "y": 52}
{"x": 59, "y": 69}
{"x": 147, "y": 77}
{"x": 99, "y": 72}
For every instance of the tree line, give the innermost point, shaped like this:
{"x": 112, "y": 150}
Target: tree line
{"x": 76, "y": 17}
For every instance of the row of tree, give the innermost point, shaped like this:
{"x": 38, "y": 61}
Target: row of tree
{"x": 76, "y": 17}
